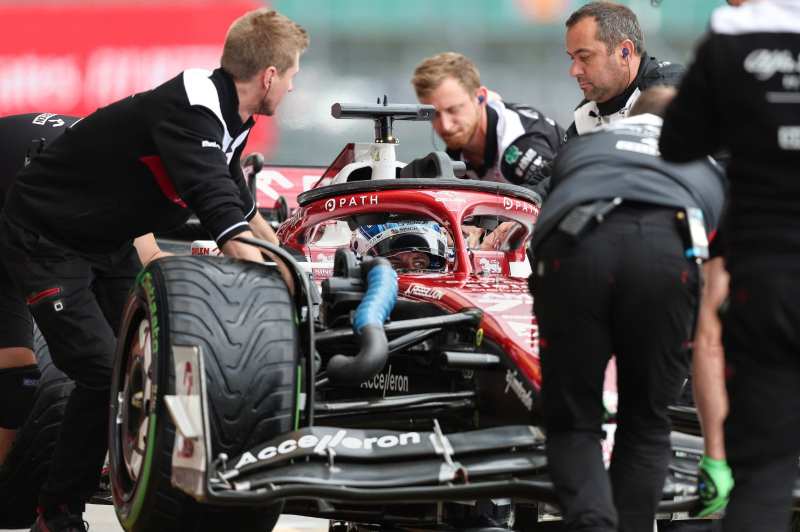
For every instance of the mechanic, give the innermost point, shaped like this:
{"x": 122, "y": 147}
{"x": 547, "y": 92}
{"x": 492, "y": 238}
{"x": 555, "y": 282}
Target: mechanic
{"x": 411, "y": 246}
{"x": 715, "y": 479}
{"x": 616, "y": 272}
{"x": 498, "y": 141}
{"x": 174, "y": 150}
{"x": 610, "y": 64}
{"x": 747, "y": 66}
{"x": 22, "y": 138}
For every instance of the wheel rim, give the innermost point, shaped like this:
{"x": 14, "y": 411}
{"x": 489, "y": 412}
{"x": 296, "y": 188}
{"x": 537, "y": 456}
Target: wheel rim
{"x": 134, "y": 402}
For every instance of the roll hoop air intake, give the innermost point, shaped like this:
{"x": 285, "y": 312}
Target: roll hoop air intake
{"x": 374, "y": 309}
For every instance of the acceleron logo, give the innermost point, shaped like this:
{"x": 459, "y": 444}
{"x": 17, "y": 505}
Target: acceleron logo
{"x": 323, "y": 445}
{"x": 387, "y": 382}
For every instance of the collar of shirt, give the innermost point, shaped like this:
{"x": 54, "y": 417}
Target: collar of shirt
{"x": 618, "y": 102}
{"x": 229, "y": 100}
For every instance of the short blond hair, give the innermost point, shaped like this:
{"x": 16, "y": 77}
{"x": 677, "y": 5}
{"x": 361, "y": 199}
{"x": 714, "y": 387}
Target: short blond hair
{"x": 434, "y": 70}
{"x": 259, "y": 39}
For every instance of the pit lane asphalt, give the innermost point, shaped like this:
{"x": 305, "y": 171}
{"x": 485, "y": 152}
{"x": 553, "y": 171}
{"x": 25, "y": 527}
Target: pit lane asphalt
{"x": 102, "y": 519}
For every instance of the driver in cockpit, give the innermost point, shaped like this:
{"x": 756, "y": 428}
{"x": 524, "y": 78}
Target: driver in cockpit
{"x": 411, "y": 246}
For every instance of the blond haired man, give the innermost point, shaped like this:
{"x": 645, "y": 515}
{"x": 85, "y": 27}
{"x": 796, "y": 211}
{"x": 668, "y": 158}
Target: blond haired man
{"x": 139, "y": 165}
{"x": 499, "y": 141}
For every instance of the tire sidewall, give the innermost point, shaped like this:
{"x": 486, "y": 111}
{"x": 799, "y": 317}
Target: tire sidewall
{"x": 148, "y": 302}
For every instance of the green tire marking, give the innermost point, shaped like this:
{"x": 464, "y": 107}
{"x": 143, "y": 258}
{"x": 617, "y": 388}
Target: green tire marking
{"x": 144, "y": 478}
{"x": 297, "y": 397}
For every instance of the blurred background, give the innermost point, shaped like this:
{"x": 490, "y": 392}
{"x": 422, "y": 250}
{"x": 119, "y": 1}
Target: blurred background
{"x": 71, "y": 56}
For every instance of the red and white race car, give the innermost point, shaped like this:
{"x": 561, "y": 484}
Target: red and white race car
{"x": 395, "y": 386}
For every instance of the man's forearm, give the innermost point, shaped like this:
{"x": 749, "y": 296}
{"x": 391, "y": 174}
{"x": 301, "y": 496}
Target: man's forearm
{"x": 148, "y": 250}
{"x": 261, "y": 229}
{"x": 708, "y": 361}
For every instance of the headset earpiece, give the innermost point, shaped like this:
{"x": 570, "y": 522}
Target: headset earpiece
{"x": 625, "y": 53}
{"x": 481, "y": 99}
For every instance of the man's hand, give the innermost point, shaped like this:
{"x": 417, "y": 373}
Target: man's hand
{"x": 494, "y": 241}
{"x": 473, "y": 235}
{"x": 714, "y": 485}
{"x": 239, "y": 250}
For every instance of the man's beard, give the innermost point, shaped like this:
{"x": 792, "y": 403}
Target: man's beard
{"x": 603, "y": 94}
{"x": 461, "y": 139}
{"x": 264, "y": 107}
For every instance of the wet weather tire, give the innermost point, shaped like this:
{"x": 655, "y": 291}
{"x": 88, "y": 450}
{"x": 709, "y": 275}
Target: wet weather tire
{"x": 26, "y": 466}
{"x": 241, "y": 317}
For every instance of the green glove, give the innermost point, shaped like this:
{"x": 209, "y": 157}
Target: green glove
{"x": 714, "y": 484}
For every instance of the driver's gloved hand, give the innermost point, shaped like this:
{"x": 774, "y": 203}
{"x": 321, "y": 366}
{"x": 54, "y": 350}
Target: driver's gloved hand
{"x": 714, "y": 485}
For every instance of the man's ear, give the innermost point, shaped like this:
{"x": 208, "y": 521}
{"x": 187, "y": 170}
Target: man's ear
{"x": 627, "y": 49}
{"x": 268, "y": 75}
{"x": 482, "y": 94}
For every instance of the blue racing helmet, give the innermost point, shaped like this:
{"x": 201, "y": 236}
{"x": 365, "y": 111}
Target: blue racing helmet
{"x": 396, "y": 241}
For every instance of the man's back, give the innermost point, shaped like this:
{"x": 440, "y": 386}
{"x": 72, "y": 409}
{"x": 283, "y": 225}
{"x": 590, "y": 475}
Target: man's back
{"x": 160, "y": 150}
{"x": 622, "y": 160}
{"x": 25, "y": 135}
{"x": 743, "y": 95}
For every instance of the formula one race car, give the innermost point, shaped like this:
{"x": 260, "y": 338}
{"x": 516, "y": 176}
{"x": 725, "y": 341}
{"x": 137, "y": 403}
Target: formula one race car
{"x": 390, "y": 382}
{"x": 373, "y": 399}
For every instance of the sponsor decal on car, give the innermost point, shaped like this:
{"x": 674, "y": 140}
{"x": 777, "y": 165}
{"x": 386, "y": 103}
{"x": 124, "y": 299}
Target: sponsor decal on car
{"x": 352, "y": 201}
{"x": 321, "y": 445}
{"x": 490, "y": 266}
{"x": 518, "y": 387}
{"x": 387, "y": 382}
{"x": 446, "y": 196}
{"x": 420, "y": 290}
{"x": 205, "y": 248}
{"x": 322, "y": 273}
{"x": 517, "y": 205}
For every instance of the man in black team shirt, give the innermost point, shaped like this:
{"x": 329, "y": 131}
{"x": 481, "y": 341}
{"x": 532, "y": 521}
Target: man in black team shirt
{"x": 615, "y": 272}
{"x": 140, "y": 165}
{"x": 499, "y": 141}
{"x": 23, "y": 137}
{"x": 742, "y": 94}
{"x": 610, "y": 64}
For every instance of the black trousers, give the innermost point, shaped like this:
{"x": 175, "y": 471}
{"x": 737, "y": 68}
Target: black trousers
{"x": 77, "y": 303}
{"x": 762, "y": 432}
{"x": 626, "y": 289}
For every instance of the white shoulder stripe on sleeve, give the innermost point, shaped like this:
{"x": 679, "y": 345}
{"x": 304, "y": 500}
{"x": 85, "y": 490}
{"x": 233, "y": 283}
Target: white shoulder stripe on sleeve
{"x": 251, "y": 212}
{"x": 757, "y": 16}
{"x": 229, "y": 229}
{"x": 235, "y": 143}
{"x": 201, "y": 91}
{"x": 509, "y": 125}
